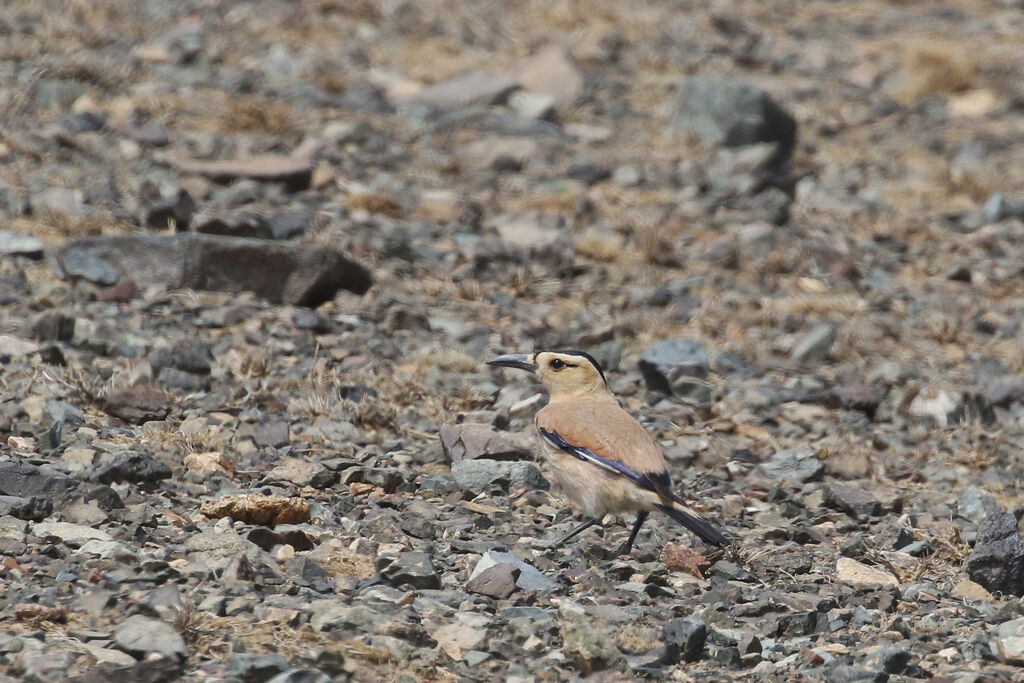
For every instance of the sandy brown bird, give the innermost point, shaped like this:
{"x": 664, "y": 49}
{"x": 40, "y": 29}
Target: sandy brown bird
{"x": 604, "y": 460}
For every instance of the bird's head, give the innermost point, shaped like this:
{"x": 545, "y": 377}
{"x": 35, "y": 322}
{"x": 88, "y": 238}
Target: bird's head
{"x": 564, "y": 373}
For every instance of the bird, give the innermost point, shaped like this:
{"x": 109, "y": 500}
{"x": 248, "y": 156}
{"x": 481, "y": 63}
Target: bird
{"x": 601, "y": 457}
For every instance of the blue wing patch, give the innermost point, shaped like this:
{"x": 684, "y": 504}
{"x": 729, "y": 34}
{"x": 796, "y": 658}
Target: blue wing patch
{"x": 656, "y": 483}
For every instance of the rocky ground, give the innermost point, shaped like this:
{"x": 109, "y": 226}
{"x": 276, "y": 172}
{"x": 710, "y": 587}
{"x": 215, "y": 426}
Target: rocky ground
{"x": 255, "y": 253}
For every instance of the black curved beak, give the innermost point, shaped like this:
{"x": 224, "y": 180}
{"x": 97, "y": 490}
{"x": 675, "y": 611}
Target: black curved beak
{"x": 513, "y": 360}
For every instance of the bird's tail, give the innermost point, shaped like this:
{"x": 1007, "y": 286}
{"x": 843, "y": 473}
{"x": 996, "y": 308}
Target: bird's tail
{"x": 695, "y": 523}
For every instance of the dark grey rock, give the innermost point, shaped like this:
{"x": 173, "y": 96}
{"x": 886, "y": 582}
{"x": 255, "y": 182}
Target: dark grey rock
{"x": 685, "y": 639}
{"x": 588, "y": 173}
{"x": 62, "y": 412}
{"x": 387, "y": 478}
{"x": 174, "y": 211}
{"x": 29, "y": 481}
{"x": 149, "y": 134}
{"x": 80, "y": 263}
{"x": 272, "y": 433}
{"x": 132, "y": 467}
{"x": 255, "y": 668}
{"x": 891, "y": 660}
{"x": 34, "y": 509}
{"x": 799, "y": 465}
{"x": 83, "y": 122}
{"x": 158, "y": 670}
{"x": 409, "y": 568}
{"x": 1005, "y": 390}
{"x": 281, "y": 272}
{"x": 732, "y": 571}
{"x": 678, "y": 367}
{"x": 724, "y": 111}
{"x": 290, "y": 223}
{"x": 854, "y": 501}
{"x": 51, "y": 326}
{"x": 138, "y": 404}
{"x": 477, "y": 475}
{"x": 997, "y": 561}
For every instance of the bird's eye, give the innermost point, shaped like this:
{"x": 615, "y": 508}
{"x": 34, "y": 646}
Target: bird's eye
{"x": 557, "y": 364}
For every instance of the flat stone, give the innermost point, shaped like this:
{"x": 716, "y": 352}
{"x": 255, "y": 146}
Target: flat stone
{"x": 72, "y": 534}
{"x": 815, "y": 344}
{"x": 17, "y": 244}
{"x": 469, "y": 89}
{"x": 211, "y": 547}
{"x": 969, "y": 590}
{"x": 854, "y": 573}
{"x": 477, "y": 475}
{"x": 296, "y": 171}
{"x": 297, "y": 471}
{"x": 529, "y": 578}
{"x": 468, "y": 441}
{"x": 799, "y": 465}
{"x": 254, "y": 668}
{"x": 141, "y": 636}
{"x": 79, "y": 263}
{"x": 138, "y": 404}
{"x": 280, "y": 272}
{"x": 17, "y": 347}
{"x": 497, "y": 581}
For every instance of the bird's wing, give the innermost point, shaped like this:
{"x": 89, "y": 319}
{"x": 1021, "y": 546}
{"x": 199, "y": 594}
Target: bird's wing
{"x": 605, "y": 435}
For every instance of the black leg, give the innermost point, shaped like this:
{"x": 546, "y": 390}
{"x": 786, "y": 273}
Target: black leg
{"x": 628, "y": 545}
{"x": 578, "y": 530}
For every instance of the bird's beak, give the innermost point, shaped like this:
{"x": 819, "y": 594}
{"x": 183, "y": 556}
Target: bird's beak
{"x": 514, "y": 360}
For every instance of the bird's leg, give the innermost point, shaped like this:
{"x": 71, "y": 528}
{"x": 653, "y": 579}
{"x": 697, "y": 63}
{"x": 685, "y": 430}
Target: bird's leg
{"x": 628, "y": 545}
{"x": 578, "y": 530}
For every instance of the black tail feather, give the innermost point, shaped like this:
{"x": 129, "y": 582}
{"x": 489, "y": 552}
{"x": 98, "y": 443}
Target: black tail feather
{"x": 698, "y": 526}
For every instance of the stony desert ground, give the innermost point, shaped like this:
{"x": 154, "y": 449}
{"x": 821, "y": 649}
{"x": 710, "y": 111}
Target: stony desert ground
{"x": 254, "y": 254}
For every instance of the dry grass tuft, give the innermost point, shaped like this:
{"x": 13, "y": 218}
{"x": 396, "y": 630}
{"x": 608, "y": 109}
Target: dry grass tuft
{"x": 256, "y": 113}
{"x": 375, "y": 203}
{"x": 187, "y": 621}
{"x": 347, "y": 562}
{"x": 371, "y": 412}
{"x": 935, "y": 66}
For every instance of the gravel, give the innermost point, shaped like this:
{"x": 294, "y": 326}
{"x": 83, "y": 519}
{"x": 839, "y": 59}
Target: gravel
{"x": 252, "y": 261}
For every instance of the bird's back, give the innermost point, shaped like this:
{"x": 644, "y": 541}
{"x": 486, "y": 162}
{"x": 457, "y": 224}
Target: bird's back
{"x": 603, "y": 427}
